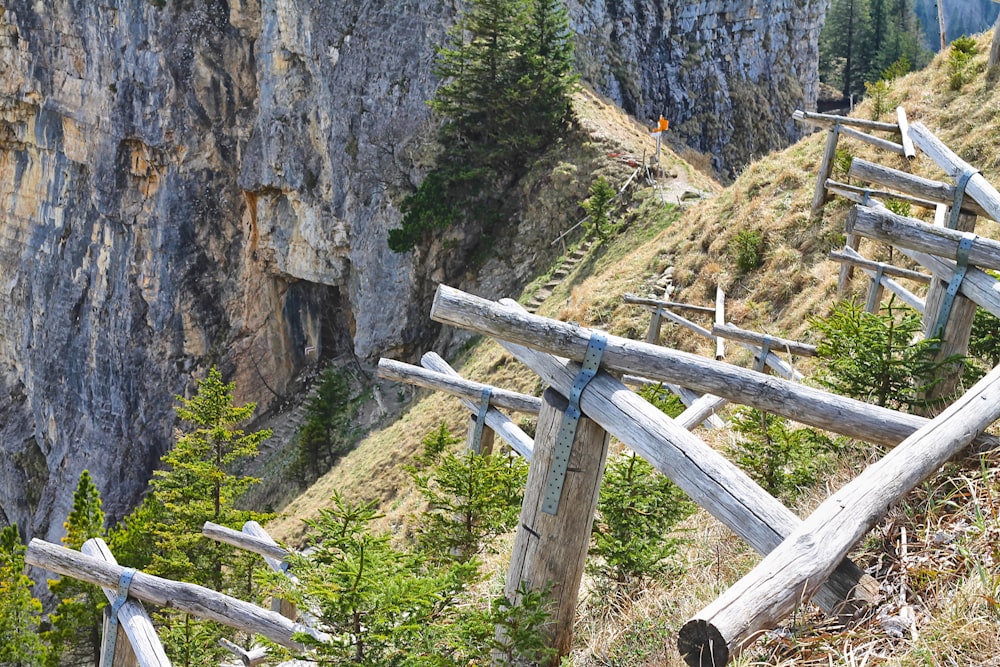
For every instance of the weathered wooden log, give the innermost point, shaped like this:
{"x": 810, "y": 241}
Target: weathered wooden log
{"x": 881, "y": 224}
{"x": 661, "y": 312}
{"x": 803, "y": 404}
{"x": 978, "y": 188}
{"x": 954, "y": 334}
{"x": 705, "y": 402}
{"x": 190, "y": 598}
{"x": 791, "y": 572}
{"x": 860, "y": 195}
{"x": 390, "y": 369}
{"x": 827, "y": 120}
{"x": 908, "y": 297}
{"x": 245, "y": 541}
{"x": 904, "y": 132}
{"x": 885, "y": 269}
{"x": 820, "y": 195}
{"x": 250, "y": 658}
{"x": 653, "y": 333}
{"x": 877, "y": 142}
{"x": 550, "y": 550}
{"x": 733, "y": 332}
{"x": 913, "y": 186}
{"x": 978, "y": 285}
{"x": 709, "y": 479}
{"x": 120, "y": 653}
{"x": 720, "y": 318}
{"x": 500, "y": 423}
{"x": 655, "y": 303}
{"x": 135, "y": 628}
{"x": 702, "y": 410}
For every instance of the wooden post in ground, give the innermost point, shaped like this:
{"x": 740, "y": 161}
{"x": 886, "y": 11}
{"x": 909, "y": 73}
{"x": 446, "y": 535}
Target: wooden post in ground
{"x": 121, "y": 652}
{"x": 720, "y": 319}
{"x": 284, "y": 607}
{"x": 825, "y": 169}
{"x": 136, "y": 642}
{"x": 653, "y": 333}
{"x": 957, "y": 312}
{"x": 551, "y": 550}
{"x": 904, "y": 132}
{"x": 794, "y": 570}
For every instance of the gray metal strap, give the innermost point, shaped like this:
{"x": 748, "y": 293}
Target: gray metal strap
{"x": 124, "y": 582}
{"x": 484, "y": 407}
{"x": 956, "y": 205}
{"x": 570, "y": 420}
{"x": 764, "y": 351}
{"x": 961, "y": 266}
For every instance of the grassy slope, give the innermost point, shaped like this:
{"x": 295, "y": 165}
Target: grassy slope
{"x": 951, "y": 586}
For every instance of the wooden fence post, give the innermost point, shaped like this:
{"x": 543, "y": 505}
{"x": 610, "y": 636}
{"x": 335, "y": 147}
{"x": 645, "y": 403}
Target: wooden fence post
{"x": 825, "y": 169}
{"x": 122, "y": 653}
{"x": 551, "y": 550}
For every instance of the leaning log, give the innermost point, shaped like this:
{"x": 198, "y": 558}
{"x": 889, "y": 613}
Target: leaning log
{"x": 501, "y": 424}
{"x": 709, "y": 479}
{"x": 877, "y": 142}
{"x": 978, "y": 188}
{"x": 806, "y": 405}
{"x": 245, "y": 541}
{"x": 880, "y": 267}
{"x": 915, "y": 186}
{"x": 849, "y": 256}
{"x": 860, "y": 195}
{"x": 390, "y": 369}
{"x": 133, "y": 621}
{"x": 881, "y": 224}
{"x": 657, "y": 303}
{"x": 733, "y": 332}
{"x": 191, "y": 598}
{"x": 978, "y": 286}
{"x": 794, "y": 570}
{"x": 904, "y": 132}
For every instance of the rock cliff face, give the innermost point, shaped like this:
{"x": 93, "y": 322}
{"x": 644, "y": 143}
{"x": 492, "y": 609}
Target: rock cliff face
{"x": 194, "y": 182}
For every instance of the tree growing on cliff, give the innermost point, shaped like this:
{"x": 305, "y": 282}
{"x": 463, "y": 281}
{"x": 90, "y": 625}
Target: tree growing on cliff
{"x": 20, "y": 612}
{"x": 75, "y": 634}
{"x": 508, "y": 79}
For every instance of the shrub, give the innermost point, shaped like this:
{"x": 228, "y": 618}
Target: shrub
{"x": 748, "y": 250}
{"x": 781, "y": 459}
{"x": 879, "y": 92}
{"x": 960, "y": 65}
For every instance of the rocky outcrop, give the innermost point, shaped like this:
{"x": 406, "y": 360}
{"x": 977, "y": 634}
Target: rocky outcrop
{"x": 185, "y": 184}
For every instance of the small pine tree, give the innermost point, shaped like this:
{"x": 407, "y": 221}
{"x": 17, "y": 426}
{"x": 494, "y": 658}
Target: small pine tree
{"x": 20, "y": 612}
{"x": 873, "y": 357}
{"x": 782, "y": 460}
{"x": 75, "y": 634}
{"x": 325, "y": 434}
{"x": 472, "y": 498}
{"x": 599, "y": 207}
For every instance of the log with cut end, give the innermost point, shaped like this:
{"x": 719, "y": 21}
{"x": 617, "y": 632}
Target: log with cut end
{"x": 978, "y": 188}
{"x": 190, "y": 598}
{"x": 806, "y": 405}
{"x": 881, "y": 224}
{"x": 245, "y": 541}
{"x": 794, "y": 571}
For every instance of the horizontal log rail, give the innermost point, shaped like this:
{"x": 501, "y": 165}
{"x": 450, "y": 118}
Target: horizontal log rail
{"x": 914, "y": 186}
{"x": 733, "y": 332}
{"x": 828, "y": 120}
{"x": 501, "y": 424}
{"x": 791, "y": 572}
{"x": 877, "y": 142}
{"x": 190, "y": 598}
{"x": 704, "y": 474}
{"x": 860, "y": 195}
{"x": 132, "y": 617}
{"x": 398, "y": 371}
{"x": 657, "y": 303}
{"x": 881, "y": 224}
{"x": 977, "y": 286}
{"x": 854, "y": 258}
{"x": 806, "y": 405}
{"x": 244, "y": 541}
{"x": 851, "y": 256}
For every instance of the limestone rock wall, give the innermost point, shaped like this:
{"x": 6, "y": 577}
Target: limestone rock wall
{"x": 194, "y": 182}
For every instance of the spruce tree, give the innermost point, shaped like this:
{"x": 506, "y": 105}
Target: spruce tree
{"x": 75, "y": 635}
{"x": 20, "y": 612}
{"x": 843, "y": 42}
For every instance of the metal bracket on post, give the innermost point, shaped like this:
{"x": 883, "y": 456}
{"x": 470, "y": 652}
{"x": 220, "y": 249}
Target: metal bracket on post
{"x": 571, "y": 417}
{"x": 764, "y": 351}
{"x": 124, "y": 582}
{"x": 956, "y": 205}
{"x": 484, "y": 407}
{"x": 961, "y": 266}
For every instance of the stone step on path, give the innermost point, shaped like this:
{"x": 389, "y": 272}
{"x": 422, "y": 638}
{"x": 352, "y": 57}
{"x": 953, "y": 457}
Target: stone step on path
{"x": 566, "y": 268}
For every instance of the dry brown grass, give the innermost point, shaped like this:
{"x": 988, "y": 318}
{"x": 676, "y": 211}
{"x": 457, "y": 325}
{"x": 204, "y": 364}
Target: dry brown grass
{"x": 949, "y": 577}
